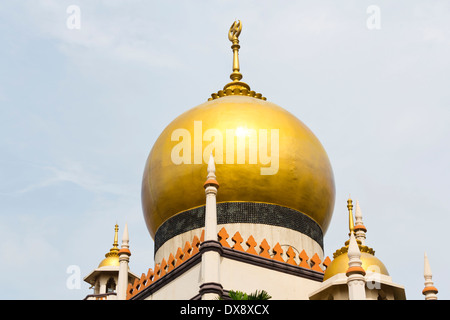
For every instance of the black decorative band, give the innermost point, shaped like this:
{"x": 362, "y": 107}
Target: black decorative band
{"x": 240, "y": 212}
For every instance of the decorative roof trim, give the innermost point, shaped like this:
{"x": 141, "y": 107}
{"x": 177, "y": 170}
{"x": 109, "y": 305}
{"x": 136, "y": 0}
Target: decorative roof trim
{"x": 266, "y": 257}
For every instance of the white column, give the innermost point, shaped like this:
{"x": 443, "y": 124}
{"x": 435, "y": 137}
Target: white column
{"x": 210, "y": 248}
{"x": 360, "y": 229}
{"x": 355, "y": 273}
{"x": 124, "y": 258}
{"x": 430, "y": 292}
{"x": 211, "y": 213}
{"x": 102, "y": 281}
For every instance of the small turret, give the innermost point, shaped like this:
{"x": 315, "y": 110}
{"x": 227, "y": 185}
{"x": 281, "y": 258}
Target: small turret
{"x": 360, "y": 229}
{"x": 430, "y": 291}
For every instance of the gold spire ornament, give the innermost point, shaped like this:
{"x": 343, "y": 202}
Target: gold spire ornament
{"x": 351, "y": 227}
{"x": 351, "y": 224}
{"x": 236, "y": 86}
{"x": 114, "y": 251}
{"x": 112, "y": 257}
{"x": 116, "y": 238}
{"x": 233, "y": 36}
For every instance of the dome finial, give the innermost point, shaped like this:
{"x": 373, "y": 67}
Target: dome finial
{"x": 351, "y": 225}
{"x": 233, "y": 36}
{"x": 236, "y": 86}
{"x": 112, "y": 257}
{"x": 116, "y": 238}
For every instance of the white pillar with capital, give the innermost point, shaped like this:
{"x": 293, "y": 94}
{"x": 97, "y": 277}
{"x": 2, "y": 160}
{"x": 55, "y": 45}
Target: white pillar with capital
{"x": 355, "y": 273}
{"x": 430, "y": 291}
{"x": 124, "y": 258}
{"x": 210, "y": 248}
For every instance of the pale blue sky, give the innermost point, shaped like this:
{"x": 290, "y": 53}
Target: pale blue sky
{"x": 81, "y": 109}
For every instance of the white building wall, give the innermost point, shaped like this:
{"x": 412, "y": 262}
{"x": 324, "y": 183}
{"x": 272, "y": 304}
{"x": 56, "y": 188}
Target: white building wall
{"x": 236, "y": 275}
{"x": 183, "y": 287}
{"x": 241, "y": 276}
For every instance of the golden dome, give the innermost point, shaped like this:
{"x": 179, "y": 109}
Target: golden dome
{"x": 301, "y": 178}
{"x": 263, "y": 154}
{"x": 110, "y": 261}
{"x": 369, "y": 263}
{"x": 368, "y": 259}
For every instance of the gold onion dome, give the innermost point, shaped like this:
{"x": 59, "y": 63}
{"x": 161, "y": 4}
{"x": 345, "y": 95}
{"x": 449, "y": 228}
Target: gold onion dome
{"x": 112, "y": 257}
{"x": 263, "y": 154}
{"x": 339, "y": 264}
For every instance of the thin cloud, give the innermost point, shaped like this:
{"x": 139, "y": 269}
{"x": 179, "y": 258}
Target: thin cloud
{"x": 76, "y": 174}
{"x": 106, "y": 32}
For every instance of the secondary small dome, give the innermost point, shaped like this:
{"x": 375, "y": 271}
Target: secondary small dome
{"x": 110, "y": 261}
{"x": 368, "y": 259}
{"x": 369, "y": 263}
